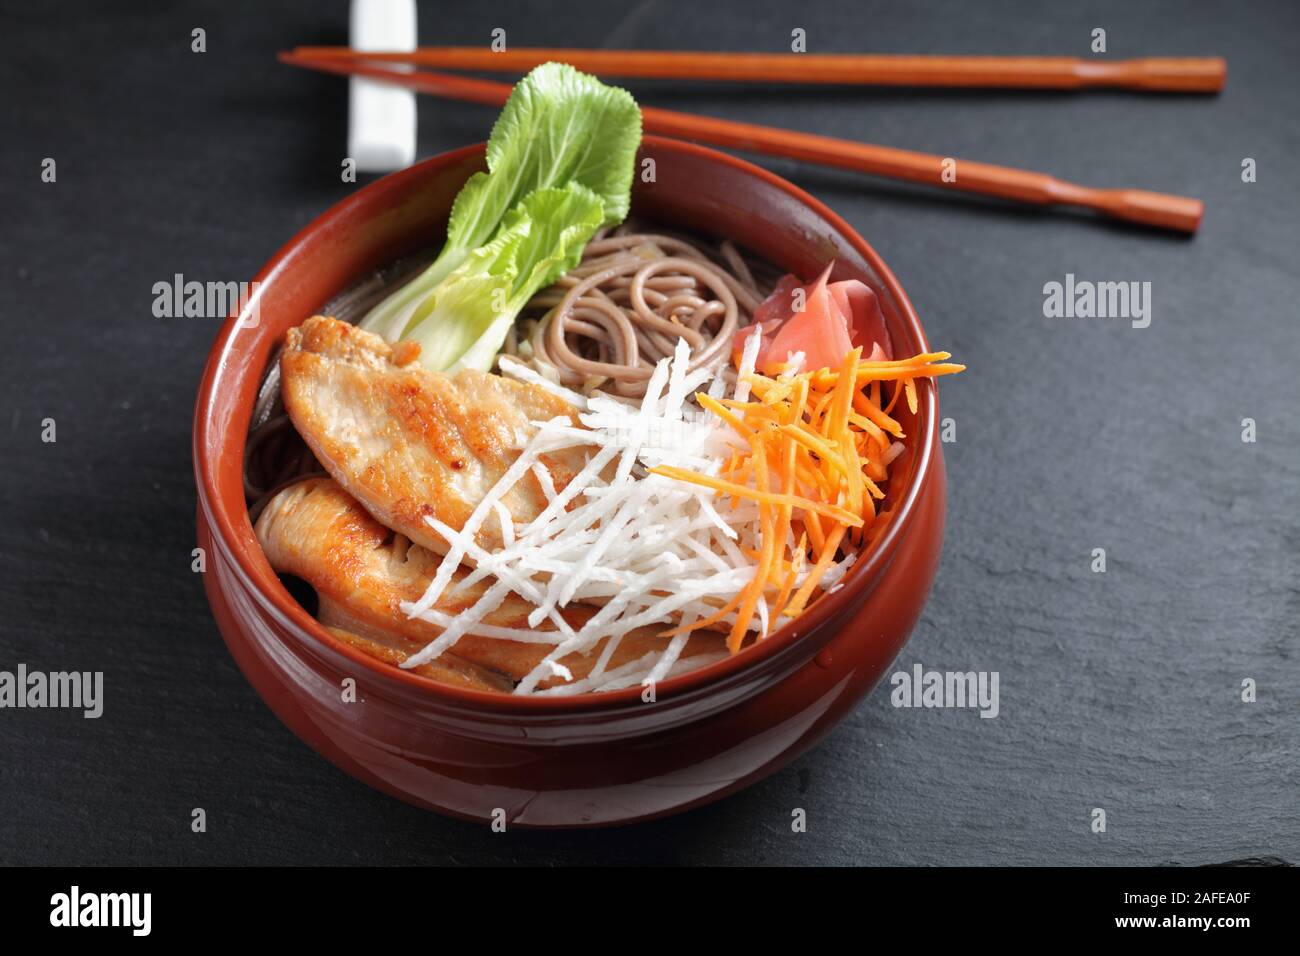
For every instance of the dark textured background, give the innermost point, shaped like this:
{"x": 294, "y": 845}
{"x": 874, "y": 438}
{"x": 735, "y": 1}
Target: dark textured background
{"x": 1118, "y": 690}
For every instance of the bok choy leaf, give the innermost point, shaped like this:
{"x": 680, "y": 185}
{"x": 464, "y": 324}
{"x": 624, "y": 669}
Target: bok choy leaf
{"x": 463, "y": 320}
{"x": 560, "y": 163}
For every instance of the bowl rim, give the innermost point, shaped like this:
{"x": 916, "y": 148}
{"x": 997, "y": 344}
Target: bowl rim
{"x": 296, "y": 617}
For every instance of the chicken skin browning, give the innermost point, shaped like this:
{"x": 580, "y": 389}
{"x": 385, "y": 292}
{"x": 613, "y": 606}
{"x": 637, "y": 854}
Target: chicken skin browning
{"x": 407, "y": 442}
{"x": 362, "y": 572}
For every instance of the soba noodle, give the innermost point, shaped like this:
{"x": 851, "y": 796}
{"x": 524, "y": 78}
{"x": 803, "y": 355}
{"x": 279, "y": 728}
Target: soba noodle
{"x": 607, "y": 322}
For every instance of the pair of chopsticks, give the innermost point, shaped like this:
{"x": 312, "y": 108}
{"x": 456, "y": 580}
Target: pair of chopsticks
{"x": 1176, "y": 213}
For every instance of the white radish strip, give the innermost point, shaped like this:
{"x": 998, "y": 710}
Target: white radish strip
{"x": 677, "y": 382}
{"x": 507, "y": 523}
{"x": 544, "y": 479}
{"x": 606, "y": 653}
{"x": 731, "y": 551}
{"x": 523, "y": 635}
{"x": 630, "y": 508}
{"x": 707, "y": 507}
{"x": 748, "y": 356}
{"x": 835, "y": 573}
{"x": 706, "y": 553}
{"x": 614, "y": 617}
{"x": 636, "y": 673}
{"x": 585, "y": 638}
{"x": 559, "y": 670}
{"x": 588, "y": 435}
{"x": 518, "y": 370}
{"x": 648, "y": 407}
{"x": 521, "y": 585}
{"x": 456, "y": 553}
{"x": 674, "y": 649}
{"x": 561, "y": 501}
{"x": 660, "y": 610}
{"x": 630, "y": 669}
{"x": 490, "y": 601}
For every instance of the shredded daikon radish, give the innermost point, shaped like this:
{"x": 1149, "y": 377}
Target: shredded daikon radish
{"x": 655, "y": 550}
{"x": 748, "y": 356}
{"x": 545, "y": 480}
{"x": 517, "y": 369}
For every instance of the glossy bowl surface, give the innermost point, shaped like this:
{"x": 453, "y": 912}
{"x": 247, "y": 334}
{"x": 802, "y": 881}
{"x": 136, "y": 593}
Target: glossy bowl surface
{"x": 594, "y": 759}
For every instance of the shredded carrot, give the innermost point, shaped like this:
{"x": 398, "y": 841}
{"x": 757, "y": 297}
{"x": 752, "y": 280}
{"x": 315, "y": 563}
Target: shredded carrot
{"x": 796, "y": 605}
{"x": 710, "y": 620}
{"x": 869, "y": 408}
{"x": 728, "y": 416}
{"x": 813, "y": 527}
{"x": 787, "y": 586}
{"x": 814, "y": 466}
{"x": 754, "y": 590}
{"x": 761, "y": 495}
{"x": 898, "y": 390}
{"x": 786, "y": 512}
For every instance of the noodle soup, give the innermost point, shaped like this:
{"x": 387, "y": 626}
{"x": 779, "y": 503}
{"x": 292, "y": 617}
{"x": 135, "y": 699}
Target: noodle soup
{"x": 645, "y": 303}
{"x": 575, "y": 452}
{"x": 552, "y": 759}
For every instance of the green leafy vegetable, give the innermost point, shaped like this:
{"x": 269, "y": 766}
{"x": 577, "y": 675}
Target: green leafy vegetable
{"x": 463, "y": 320}
{"x": 560, "y": 162}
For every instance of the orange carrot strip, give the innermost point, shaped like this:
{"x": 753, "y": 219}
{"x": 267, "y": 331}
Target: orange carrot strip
{"x": 871, "y": 409}
{"x": 754, "y": 590}
{"x": 843, "y": 391}
{"x": 814, "y": 443}
{"x": 707, "y": 621}
{"x": 783, "y": 596}
{"x": 778, "y": 606}
{"x": 724, "y": 413}
{"x": 763, "y": 497}
{"x": 819, "y": 408}
{"x": 799, "y": 401}
{"x": 876, "y": 470}
{"x": 908, "y": 371}
{"x": 870, "y": 428}
{"x": 869, "y": 369}
{"x": 787, "y": 487}
{"x": 898, "y": 390}
{"x": 810, "y": 474}
{"x": 838, "y": 429}
{"x": 872, "y": 489}
{"x": 811, "y": 582}
{"x": 800, "y": 599}
{"x": 816, "y": 534}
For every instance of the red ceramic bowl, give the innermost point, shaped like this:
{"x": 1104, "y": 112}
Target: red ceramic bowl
{"x": 595, "y": 759}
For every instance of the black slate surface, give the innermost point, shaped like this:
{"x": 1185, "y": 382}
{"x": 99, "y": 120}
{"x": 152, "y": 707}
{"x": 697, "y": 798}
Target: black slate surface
{"x": 1118, "y": 690}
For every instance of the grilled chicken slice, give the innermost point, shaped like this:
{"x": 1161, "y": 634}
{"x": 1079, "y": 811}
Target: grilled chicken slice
{"x": 362, "y": 573}
{"x": 407, "y": 442}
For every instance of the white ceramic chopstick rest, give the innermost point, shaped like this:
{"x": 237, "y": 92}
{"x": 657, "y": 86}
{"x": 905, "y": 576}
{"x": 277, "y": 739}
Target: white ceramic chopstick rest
{"x": 381, "y": 117}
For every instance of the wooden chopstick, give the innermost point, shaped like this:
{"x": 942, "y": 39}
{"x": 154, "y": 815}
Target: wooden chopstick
{"x": 1152, "y": 74}
{"x": 1176, "y": 213}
